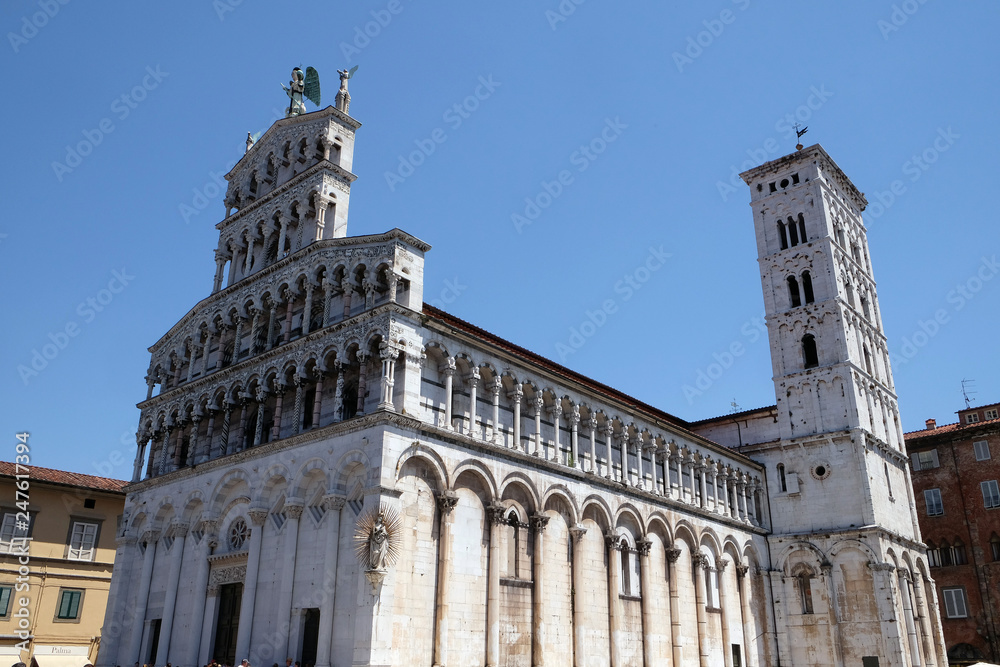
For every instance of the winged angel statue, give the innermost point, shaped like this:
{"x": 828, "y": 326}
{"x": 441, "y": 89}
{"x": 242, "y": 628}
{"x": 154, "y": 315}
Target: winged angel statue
{"x": 302, "y": 85}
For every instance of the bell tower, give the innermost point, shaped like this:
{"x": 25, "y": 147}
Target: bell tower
{"x": 844, "y": 527}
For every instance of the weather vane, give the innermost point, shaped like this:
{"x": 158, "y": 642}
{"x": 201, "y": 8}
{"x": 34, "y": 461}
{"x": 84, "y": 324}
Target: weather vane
{"x": 798, "y": 135}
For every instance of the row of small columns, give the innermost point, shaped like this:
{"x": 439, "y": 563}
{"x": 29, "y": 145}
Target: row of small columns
{"x": 183, "y": 356}
{"x": 205, "y": 606}
{"x": 615, "y": 545}
{"x": 735, "y": 492}
{"x": 321, "y": 203}
{"x": 276, "y": 162}
{"x": 168, "y": 456}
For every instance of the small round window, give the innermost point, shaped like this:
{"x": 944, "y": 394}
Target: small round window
{"x": 821, "y": 471}
{"x": 238, "y": 534}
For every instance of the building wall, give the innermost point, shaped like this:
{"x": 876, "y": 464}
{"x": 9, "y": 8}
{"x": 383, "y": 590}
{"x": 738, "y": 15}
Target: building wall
{"x": 965, "y": 518}
{"x": 54, "y": 507}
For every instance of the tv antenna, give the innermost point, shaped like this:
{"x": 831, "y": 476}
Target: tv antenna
{"x": 968, "y": 392}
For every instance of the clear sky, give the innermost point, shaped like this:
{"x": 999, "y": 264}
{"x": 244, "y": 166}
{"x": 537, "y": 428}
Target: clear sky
{"x": 121, "y": 118}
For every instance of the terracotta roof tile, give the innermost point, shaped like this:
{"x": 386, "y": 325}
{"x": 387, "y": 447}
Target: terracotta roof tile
{"x": 66, "y": 478}
{"x": 947, "y": 428}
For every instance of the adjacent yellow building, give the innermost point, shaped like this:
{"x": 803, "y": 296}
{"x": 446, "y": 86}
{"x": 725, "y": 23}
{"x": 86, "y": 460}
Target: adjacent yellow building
{"x": 57, "y": 551}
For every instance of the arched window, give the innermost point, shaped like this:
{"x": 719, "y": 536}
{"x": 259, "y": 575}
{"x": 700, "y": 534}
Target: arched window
{"x": 626, "y": 556}
{"x": 850, "y": 293}
{"x": 864, "y": 307}
{"x": 995, "y": 547}
{"x": 793, "y": 292}
{"x": 805, "y": 592}
{"x": 807, "y": 287}
{"x": 958, "y": 556}
{"x": 888, "y": 481}
{"x": 868, "y": 360}
{"x": 840, "y": 237}
{"x": 793, "y": 232}
{"x": 945, "y": 551}
{"x": 782, "y": 482}
{"x": 810, "y": 356}
{"x": 783, "y": 235}
{"x": 933, "y": 555}
{"x": 712, "y": 585}
{"x": 802, "y": 228}
{"x": 513, "y": 544}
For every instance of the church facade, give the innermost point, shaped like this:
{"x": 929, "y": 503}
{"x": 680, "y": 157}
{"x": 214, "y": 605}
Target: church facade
{"x": 331, "y": 470}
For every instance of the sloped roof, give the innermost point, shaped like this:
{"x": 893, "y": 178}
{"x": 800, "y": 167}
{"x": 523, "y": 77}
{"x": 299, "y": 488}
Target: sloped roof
{"x": 65, "y": 478}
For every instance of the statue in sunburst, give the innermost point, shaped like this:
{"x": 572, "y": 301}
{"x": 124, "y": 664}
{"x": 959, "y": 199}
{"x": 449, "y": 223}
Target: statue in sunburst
{"x": 377, "y": 539}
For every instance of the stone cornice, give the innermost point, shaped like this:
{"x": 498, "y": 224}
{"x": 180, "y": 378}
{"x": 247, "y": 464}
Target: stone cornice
{"x": 859, "y": 532}
{"x": 394, "y": 234}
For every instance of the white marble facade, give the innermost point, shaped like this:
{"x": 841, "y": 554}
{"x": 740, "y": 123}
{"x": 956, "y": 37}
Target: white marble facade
{"x": 543, "y": 518}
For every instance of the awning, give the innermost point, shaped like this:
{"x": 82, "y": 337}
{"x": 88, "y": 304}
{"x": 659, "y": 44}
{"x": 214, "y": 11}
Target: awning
{"x": 60, "y": 660}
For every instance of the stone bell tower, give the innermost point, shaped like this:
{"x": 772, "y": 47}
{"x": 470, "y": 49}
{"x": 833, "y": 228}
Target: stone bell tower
{"x": 838, "y": 480}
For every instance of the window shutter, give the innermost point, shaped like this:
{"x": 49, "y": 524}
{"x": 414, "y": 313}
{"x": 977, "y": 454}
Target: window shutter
{"x": 915, "y": 461}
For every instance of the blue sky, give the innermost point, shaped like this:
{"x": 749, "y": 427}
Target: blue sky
{"x": 121, "y": 119}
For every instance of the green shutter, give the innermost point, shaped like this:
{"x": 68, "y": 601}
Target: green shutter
{"x": 69, "y": 605}
{"x": 5, "y": 592}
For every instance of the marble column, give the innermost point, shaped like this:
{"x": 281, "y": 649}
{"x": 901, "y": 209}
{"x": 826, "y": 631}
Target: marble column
{"x": 646, "y": 585}
{"x": 333, "y": 505}
{"x": 473, "y": 380}
{"x": 298, "y": 381}
{"x": 207, "y": 350}
{"x": 745, "y": 615}
{"x": 150, "y": 538}
{"x": 539, "y": 404}
{"x": 141, "y": 440}
{"x": 348, "y": 289}
{"x": 727, "y": 652}
{"x": 449, "y": 391}
{"x": 257, "y": 517}
{"x": 911, "y": 626}
{"x": 672, "y": 554}
{"x": 701, "y": 564}
{"x": 702, "y": 468}
{"x": 924, "y": 621}
{"x": 613, "y": 543}
{"x": 592, "y": 427}
{"x": 279, "y": 392}
{"x": 178, "y": 531}
{"x": 112, "y": 631}
{"x": 446, "y": 503}
{"x": 494, "y": 514}
{"x": 637, "y": 442}
{"x": 741, "y": 499}
{"x": 258, "y": 433}
{"x": 574, "y": 437}
{"x": 362, "y": 382}
{"x": 208, "y": 625}
{"x": 293, "y": 512}
{"x": 388, "y": 380}
{"x": 538, "y": 606}
{"x": 495, "y": 388}
{"x": 579, "y": 584}
{"x": 516, "y": 397}
{"x": 623, "y": 444}
{"x": 317, "y": 405}
{"x": 609, "y": 436}
{"x": 652, "y": 461}
{"x": 307, "y": 309}
{"x": 556, "y": 412}
{"x": 199, "y": 597}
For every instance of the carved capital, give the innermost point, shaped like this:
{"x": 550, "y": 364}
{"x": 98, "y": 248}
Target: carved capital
{"x": 577, "y": 532}
{"x": 612, "y": 540}
{"x": 721, "y": 564}
{"x": 741, "y": 570}
{"x": 257, "y": 516}
{"x": 293, "y": 509}
{"x": 446, "y": 502}
{"x": 672, "y": 554}
{"x": 333, "y": 502}
{"x": 150, "y": 536}
{"x": 643, "y": 546}
{"x": 538, "y": 523}
{"x": 494, "y": 512}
